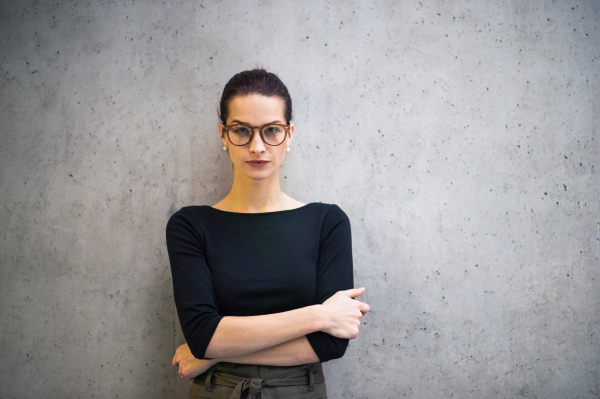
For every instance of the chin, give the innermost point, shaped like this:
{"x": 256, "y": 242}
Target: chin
{"x": 258, "y": 176}
{"x": 261, "y": 174}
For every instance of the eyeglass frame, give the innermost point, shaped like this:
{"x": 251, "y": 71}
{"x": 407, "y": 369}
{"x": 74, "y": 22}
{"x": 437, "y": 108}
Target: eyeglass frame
{"x": 226, "y": 129}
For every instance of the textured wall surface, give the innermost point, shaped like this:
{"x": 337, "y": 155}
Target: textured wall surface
{"x": 461, "y": 138}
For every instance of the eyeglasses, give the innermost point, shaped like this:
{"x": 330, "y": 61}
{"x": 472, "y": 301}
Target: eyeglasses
{"x": 272, "y": 134}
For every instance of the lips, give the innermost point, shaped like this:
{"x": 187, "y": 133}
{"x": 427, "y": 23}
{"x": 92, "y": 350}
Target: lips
{"x": 258, "y": 162}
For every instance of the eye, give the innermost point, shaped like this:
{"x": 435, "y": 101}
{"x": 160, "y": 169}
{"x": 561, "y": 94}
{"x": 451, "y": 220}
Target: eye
{"x": 272, "y": 130}
{"x": 240, "y": 130}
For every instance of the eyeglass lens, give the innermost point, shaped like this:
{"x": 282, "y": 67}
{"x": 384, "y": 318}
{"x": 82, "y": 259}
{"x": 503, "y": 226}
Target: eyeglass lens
{"x": 242, "y": 134}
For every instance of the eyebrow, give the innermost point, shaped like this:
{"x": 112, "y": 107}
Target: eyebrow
{"x": 246, "y": 123}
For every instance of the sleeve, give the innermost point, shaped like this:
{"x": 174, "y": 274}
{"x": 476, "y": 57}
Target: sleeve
{"x": 334, "y": 273}
{"x": 192, "y": 283}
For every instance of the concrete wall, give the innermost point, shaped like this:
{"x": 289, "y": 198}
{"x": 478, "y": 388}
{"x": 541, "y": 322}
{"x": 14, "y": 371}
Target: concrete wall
{"x": 461, "y": 138}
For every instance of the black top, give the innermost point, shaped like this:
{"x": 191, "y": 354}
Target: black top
{"x": 245, "y": 264}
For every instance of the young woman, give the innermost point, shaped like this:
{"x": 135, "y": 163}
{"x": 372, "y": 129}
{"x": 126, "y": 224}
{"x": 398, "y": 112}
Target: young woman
{"x": 262, "y": 282}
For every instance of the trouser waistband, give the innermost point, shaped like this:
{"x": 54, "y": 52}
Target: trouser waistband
{"x": 310, "y": 375}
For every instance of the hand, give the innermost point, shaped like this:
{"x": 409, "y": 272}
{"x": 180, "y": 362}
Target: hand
{"x": 189, "y": 366}
{"x": 344, "y": 313}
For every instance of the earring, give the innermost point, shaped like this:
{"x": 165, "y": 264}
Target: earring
{"x": 224, "y": 148}
{"x": 288, "y": 149}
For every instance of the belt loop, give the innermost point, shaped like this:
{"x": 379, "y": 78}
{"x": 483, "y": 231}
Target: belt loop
{"x": 311, "y": 378}
{"x": 209, "y": 387}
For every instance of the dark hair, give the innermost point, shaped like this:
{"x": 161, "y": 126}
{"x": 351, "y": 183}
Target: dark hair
{"x": 255, "y": 81}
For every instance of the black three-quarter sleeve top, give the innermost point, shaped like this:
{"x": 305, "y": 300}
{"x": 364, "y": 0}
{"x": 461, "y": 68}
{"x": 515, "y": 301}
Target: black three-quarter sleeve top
{"x": 246, "y": 264}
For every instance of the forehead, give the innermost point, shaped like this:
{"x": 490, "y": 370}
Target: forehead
{"x": 256, "y": 109}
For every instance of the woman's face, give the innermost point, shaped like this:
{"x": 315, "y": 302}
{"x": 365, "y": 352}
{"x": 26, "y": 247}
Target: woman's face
{"x": 256, "y": 110}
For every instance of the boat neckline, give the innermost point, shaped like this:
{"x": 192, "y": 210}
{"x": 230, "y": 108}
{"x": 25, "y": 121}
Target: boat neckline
{"x": 262, "y": 213}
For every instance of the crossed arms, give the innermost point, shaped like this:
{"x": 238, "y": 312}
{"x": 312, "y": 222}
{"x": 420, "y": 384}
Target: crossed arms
{"x": 277, "y": 339}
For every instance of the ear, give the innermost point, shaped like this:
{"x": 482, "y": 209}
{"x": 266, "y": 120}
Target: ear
{"x": 291, "y": 135}
{"x": 222, "y": 134}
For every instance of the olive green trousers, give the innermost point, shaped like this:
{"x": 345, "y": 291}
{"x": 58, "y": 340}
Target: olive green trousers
{"x": 245, "y": 381}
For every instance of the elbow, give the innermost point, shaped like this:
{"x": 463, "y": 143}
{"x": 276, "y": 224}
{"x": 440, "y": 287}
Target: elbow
{"x": 340, "y": 350}
{"x": 327, "y": 347}
{"x": 198, "y": 333}
{"x": 197, "y": 350}
{"x": 217, "y": 349}
{"x": 198, "y": 343}
{"x": 336, "y": 350}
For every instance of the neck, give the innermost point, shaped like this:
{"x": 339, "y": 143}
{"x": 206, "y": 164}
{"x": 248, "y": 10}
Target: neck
{"x": 254, "y": 196}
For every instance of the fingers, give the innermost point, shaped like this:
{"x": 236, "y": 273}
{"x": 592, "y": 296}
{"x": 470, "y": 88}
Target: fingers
{"x": 183, "y": 373}
{"x": 354, "y": 292}
{"x": 364, "y": 308}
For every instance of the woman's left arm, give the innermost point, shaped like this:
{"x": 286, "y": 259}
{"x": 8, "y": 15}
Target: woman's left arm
{"x": 290, "y": 353}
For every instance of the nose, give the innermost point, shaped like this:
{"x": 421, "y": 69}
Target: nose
{"x": 257, "y": 145}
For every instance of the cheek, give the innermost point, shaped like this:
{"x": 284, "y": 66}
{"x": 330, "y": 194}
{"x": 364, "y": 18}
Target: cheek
{"x": 279, "y": 155}
{"x": 234, "y": 156}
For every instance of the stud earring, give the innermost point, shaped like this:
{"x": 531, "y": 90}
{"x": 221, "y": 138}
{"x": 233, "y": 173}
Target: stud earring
{"x": 288, "y": 149}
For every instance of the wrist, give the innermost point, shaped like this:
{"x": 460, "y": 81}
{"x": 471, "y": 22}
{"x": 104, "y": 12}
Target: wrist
{"x": 319, "y": 318}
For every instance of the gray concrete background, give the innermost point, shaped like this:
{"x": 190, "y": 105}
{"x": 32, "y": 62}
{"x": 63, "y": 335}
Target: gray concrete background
{"x": 461, "y": 138}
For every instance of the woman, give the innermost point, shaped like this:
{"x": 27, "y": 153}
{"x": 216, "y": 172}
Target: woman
{"x": 262, "y": 282}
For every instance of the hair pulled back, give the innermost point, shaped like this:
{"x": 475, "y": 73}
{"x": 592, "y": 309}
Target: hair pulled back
{"x": 255, "y": 81}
